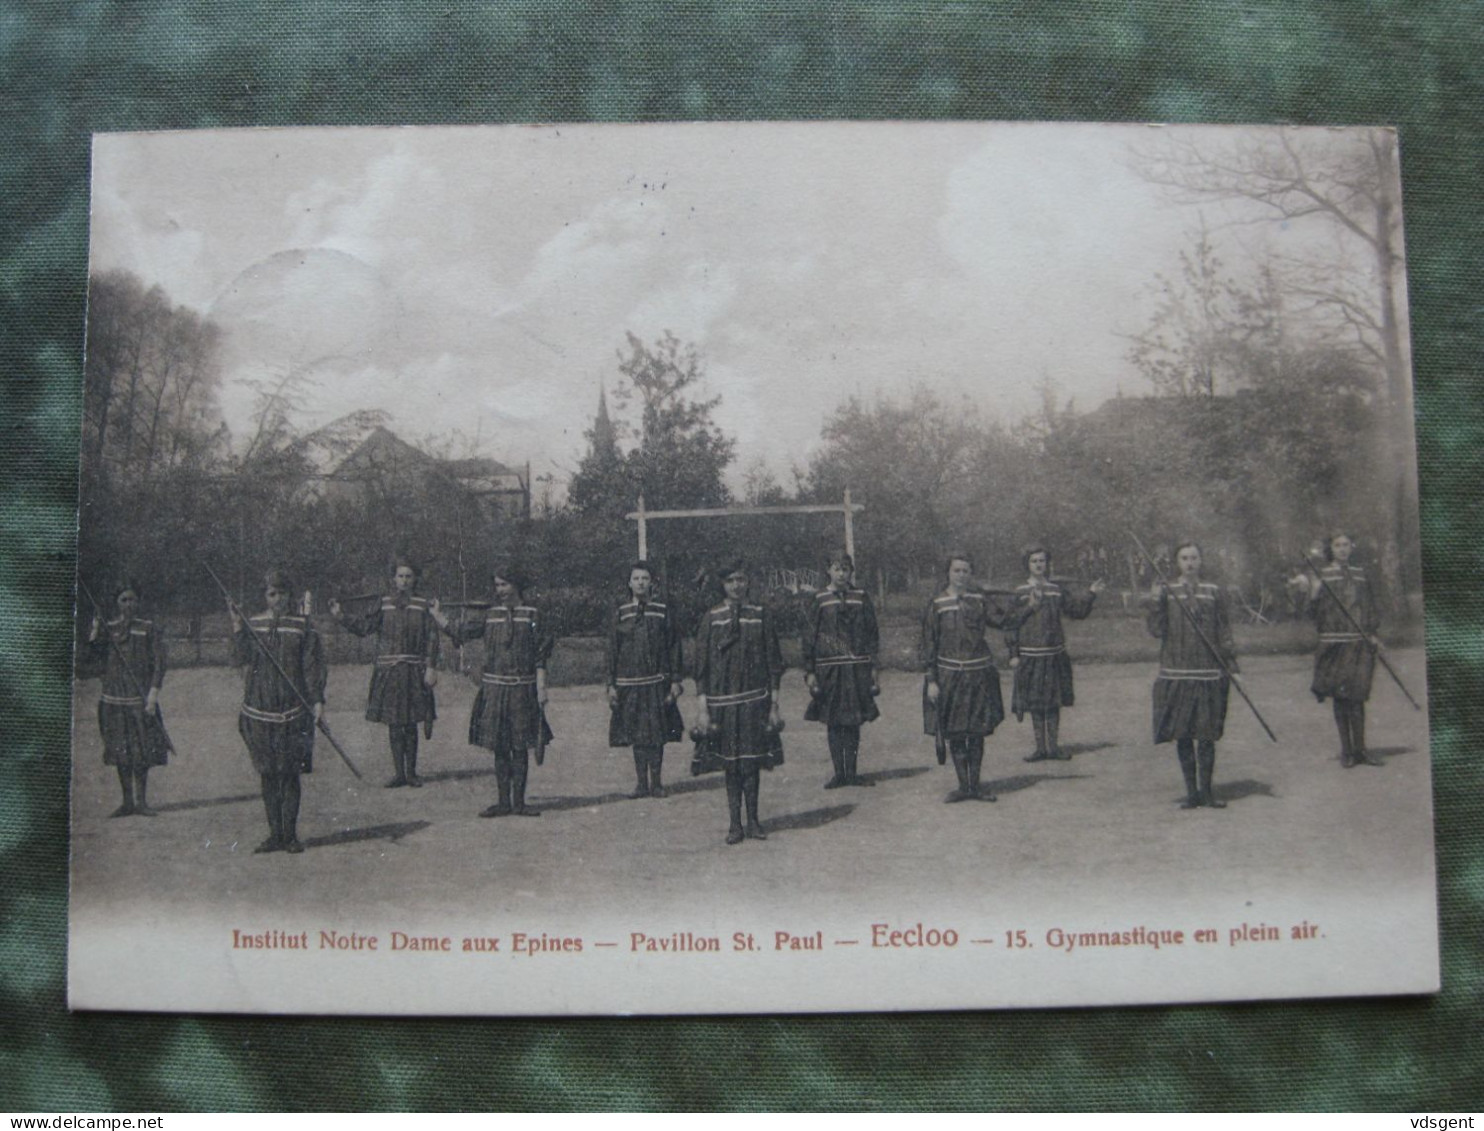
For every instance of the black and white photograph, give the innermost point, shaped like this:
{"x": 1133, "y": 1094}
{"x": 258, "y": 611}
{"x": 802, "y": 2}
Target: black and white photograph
{"x": 747, "y": 568}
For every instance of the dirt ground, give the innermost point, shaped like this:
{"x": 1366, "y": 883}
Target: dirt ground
{"x": 1107, "y": 817}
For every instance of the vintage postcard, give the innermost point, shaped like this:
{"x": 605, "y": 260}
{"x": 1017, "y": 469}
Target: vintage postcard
{"x": 748, "y": 567}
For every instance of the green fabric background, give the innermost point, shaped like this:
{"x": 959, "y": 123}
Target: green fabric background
{"x": 67, "y": 69}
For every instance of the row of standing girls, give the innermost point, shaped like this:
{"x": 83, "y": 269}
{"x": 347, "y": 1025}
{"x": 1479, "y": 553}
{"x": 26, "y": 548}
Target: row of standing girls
{"x": 738, "y": 668}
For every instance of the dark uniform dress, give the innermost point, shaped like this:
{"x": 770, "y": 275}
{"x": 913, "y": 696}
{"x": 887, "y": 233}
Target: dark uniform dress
{"x": 840, "y": 644}
{"x": 274, "y": 723}
{"x": 644, "y": 660}
{"x": 955, "y": 655}
{"x": 1042, "y": 683}
{"x": 738, "y": 668}
{"x": 507, "y": 717}
{"x": 406, "y": 650}
{"x": 132, "y": 740}
{"x": 1190, "y": 694}
{"x": 1346, "y": 661}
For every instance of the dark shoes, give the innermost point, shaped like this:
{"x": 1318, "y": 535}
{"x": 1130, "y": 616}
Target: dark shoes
{"x": 397, "y": 782}
{"x": 659, "y": 791}
{"x": 124, "y": 810}
{"x": 496, "y": 811}
{"x": 835, "y": 782}
{"x": 272, "y": 844}
{"x": 1038, "y": 756}
{"x": 1366, "y": 758}
{"x": 734, "y": 834}
{"x": 526, "y": 811}
{"x": 414, "y": 781}
{"x": 755, "y": 831}
{"x": 293, "y": 847}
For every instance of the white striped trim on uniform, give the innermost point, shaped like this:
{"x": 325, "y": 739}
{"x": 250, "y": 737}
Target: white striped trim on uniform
{"x": 835, "y": 661}
{"x": 965, "y": 665}
{"x": 1057, "y": 651}
{"x": 508, "y": 680}
{"x": 1339, "y": 637}
{"x": 640, "y": 680}
{"x": 737, "y": 700}
{"x": 272, "y": 716}
{"x": 1191, "y": 673}
{"x": 393, "y": 661}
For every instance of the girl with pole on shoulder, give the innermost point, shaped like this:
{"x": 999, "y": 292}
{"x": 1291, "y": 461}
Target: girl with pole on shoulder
{"x": 1343, "y": 606}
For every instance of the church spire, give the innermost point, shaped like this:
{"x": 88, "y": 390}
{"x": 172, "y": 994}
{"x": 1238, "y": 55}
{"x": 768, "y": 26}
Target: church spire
{"x": 604, "y": 436}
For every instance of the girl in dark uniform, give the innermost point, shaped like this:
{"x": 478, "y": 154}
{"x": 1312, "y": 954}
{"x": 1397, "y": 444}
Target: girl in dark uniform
{"x": 1191, "y": 692}
{"x": 1042, "y": 684}
{"x": 961, "y": 689}
{"x": 406, "y": 670}
{"x": 132, "y": 652}
{"x": 275, "y": 726}
{"x": 508, "y": 716}
{"x": 644, "y": 680}
{"x": 738, "y": 668}
{"x": 1347, "y": 658}
{"x": 839, "y": 646}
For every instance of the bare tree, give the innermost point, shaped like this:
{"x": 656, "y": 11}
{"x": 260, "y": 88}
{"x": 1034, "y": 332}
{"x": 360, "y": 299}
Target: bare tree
{"x": 1343, "y": 185}
{"x": 1345, "y": 179}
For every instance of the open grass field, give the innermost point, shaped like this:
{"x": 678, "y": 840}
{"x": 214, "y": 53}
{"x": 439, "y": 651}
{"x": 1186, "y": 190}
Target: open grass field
{"x": 1098, "y": 833}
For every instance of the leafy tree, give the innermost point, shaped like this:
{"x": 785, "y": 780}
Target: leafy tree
{"x": 682, "y": 455}
{"x": 909, "y": 463}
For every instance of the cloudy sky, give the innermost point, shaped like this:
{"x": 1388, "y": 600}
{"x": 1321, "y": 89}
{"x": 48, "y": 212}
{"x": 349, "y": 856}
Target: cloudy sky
{"x": 484, "y": 278}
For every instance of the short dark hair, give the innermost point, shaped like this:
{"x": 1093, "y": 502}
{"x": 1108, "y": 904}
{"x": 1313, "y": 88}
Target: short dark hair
{"x": 1025, "y": 557}
{"x": 278, "y": 579}
{"x": 1182, "y": 544}
{"x": 957, "y": 556}
{"x": 841, "y": 559}
{"x": 644, "y": 565}
{"x": 732, "y": 568}
{"x": 1329, "y": 542}
{"x": 512, "y": 573}
{"x": 404, "y": 560}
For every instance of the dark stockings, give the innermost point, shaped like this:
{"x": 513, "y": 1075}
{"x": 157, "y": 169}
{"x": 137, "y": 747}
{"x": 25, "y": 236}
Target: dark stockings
{"x": 511, "y": 768}
{"x": 1198, "y": 764}
{"x": 743, "y": 780}
{"x": 968, "y": 756}
{"x": 1350, "y": 720}
{"x": 845, "y": 745}
{"x": 126, "y": 783}
{"x": 1046, "y": 724}
{"x": 403, "y": 738}
{"x": 648, "y": 761}
{"x": 281, "y": 794}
